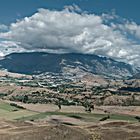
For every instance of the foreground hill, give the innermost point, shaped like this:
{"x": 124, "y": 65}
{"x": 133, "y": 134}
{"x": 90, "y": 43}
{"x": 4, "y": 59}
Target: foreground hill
{"x": 39, "y": 62}
{"x": 27, "y": 131}
{"x": 46, "y": 131}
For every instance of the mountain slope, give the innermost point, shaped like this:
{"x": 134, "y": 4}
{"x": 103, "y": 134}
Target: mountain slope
{"x": 39, "y": 62}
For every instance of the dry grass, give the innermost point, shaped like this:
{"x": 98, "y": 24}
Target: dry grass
{"x": 115, "y": 131}
{"x": 27, "y": 131}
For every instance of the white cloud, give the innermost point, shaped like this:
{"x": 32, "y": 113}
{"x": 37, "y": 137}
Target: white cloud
{"x": 73, "y": 8}
{"x": 7, "y": 47}
{"x": 3, "y": 28}
{"x": 69, "y": 31}
{"x": 133, "y": 28}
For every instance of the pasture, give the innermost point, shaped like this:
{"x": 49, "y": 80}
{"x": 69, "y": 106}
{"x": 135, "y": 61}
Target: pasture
{"x": 9, "y": 112}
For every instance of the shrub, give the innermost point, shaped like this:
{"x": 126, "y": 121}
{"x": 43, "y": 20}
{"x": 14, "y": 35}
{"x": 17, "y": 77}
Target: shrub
{"x": 17, "y": 106}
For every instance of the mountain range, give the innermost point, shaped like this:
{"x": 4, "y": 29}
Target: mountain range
{"x": 41, "y": 62}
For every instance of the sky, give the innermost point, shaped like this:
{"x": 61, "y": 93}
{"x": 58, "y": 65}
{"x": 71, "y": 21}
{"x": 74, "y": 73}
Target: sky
{"x": 16, "y": 9}
{"x": 109, "y": 28}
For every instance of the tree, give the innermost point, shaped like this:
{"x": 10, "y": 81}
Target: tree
{"x": 59, "y": 105}
{"x": 25, "y": 99}
{"x": 88, "y": 106}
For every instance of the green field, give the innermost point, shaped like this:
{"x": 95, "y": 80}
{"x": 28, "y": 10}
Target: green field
{"x": 87, "y": 117}
{"x": 13, "y": 113}
{"x": 9, "y": 112}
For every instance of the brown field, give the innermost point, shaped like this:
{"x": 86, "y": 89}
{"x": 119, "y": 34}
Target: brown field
{"x": 11, "y": 130}
{"x": 27, "y": 131}
{"x": 115, "y": 131}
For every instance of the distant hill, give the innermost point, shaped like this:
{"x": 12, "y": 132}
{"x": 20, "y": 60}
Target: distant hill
{"x": 40, "y": 62}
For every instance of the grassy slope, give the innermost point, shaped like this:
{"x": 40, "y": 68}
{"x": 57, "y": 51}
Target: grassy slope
{"x": 91, "y": 117}
{"x": 8, "y": 112}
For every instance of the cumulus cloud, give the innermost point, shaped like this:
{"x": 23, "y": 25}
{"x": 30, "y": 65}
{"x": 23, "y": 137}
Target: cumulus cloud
{"x": 3, "y": 28}
{"x": 7, "y": 47}
{"x": 132, "y": 28}
{"x": 70, "y": 31}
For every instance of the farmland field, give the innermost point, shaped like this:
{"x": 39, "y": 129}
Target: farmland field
{"x": 42, "y": 124}
{"x": 9, "y": 112}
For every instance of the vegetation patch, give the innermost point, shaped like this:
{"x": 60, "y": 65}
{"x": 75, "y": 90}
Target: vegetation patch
{"x": 75, "y": 116}
{"x": 13, "y": 111}
{"x": 88, "y": 117}
{"x": 17, "y": 106}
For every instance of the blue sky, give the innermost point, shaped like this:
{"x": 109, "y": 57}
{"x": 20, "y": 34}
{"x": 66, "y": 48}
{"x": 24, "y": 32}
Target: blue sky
{"x": 109, "y": 28}
{"x": 10, "y": 10}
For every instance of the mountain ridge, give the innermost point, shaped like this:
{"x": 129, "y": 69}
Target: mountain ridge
{"x": 40, "y": 62}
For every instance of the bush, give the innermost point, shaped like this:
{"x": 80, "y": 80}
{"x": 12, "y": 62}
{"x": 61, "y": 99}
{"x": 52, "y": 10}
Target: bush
{"x": 17, "y": 106}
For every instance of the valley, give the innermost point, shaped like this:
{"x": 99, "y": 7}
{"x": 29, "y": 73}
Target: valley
{"x": 92, "y": 106}
{"x": 69, "y": 70}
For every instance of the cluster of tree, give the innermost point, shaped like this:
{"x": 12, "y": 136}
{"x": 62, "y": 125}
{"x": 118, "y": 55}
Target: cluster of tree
{"x": 88, "y": 106}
